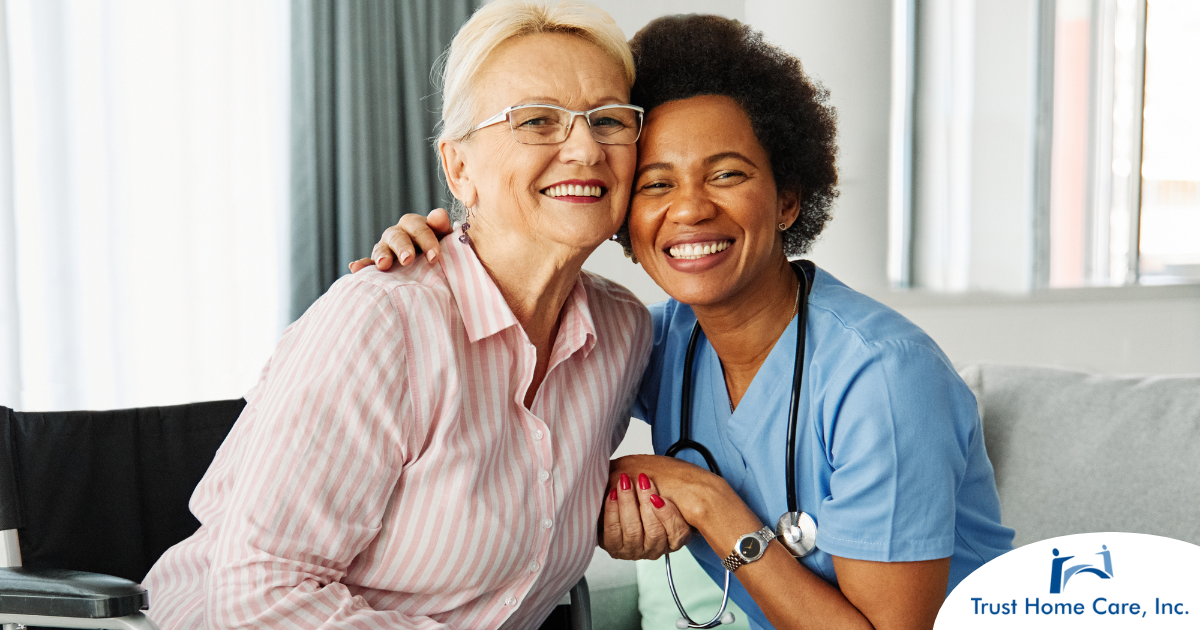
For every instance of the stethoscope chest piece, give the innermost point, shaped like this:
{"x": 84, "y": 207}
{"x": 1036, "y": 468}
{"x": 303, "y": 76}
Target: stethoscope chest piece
{"x": 797, "y": 531}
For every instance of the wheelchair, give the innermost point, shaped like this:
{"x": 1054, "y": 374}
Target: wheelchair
{"x": 89, "y": 500}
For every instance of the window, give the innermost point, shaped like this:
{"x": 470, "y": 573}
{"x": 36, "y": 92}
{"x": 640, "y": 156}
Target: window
{"x": 1170, "y": 199}
{"x": 1046, "y": 144}
{"x": 146, "y": 150}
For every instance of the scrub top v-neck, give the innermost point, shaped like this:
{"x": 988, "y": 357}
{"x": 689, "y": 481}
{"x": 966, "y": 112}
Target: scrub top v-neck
{"x": 890, "y": 460}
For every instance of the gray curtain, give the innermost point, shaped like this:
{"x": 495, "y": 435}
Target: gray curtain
{"x": 363, "y": 114}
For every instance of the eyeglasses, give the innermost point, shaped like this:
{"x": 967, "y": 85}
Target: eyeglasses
{"x": 551, "y": 124}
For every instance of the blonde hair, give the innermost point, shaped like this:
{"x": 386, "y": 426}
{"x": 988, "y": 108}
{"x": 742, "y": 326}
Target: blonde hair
{"x": 498, "y": 22}
{"x": 502, "y": 20}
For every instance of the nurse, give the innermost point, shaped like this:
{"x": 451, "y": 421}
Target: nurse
{"x": 735, "y": 175}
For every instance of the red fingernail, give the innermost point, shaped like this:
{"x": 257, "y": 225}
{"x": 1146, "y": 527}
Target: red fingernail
{"x": 657, "y": 501}
{"x": 625, "y": 485}
{"x": 612, "y": 496}
{"x": 643, "y": 481}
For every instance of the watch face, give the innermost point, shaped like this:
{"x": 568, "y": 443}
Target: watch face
{"x": 749, "y": 547}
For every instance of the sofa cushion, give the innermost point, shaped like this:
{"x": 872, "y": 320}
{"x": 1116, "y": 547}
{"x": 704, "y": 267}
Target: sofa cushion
{"x": 1078, "y": 452}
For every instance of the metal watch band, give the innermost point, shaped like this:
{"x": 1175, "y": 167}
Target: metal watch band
{"x": 735, "y": 560}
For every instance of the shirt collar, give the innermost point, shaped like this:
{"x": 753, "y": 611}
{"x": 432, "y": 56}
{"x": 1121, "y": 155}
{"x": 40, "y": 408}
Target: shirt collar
{"x": 484, "y": 311}
{"x": 577, "y": 330}
{"x": 480, "y": 303}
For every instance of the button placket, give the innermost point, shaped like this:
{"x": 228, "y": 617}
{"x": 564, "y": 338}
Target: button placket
{"x": 546, "y": 497}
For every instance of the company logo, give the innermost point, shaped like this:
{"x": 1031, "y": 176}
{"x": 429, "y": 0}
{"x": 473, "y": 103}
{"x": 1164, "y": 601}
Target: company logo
{"x": 1157, "y": 588}
{"x": 1060, "y": 573}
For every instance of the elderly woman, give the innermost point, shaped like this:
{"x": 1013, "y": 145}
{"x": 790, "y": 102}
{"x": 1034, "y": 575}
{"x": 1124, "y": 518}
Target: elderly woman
{"x": 735, "y": 174}
{"x": 428, "y": 448}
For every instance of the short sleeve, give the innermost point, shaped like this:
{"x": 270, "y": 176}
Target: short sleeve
{"x": 898, "y": 424}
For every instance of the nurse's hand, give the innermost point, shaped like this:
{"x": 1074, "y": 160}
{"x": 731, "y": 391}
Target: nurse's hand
{"x": 411, "y": 235}
{"x": 638, "y": 524}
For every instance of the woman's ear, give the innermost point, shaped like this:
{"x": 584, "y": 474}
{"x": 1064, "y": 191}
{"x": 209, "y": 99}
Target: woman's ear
{"x": 789, "y": 206}
{"x": 458, "y": 176}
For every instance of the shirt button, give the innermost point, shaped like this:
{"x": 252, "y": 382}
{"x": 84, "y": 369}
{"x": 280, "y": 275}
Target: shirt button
{"x": 537, "y": 434}
{"x": 534, "y": 566}
{"x": 543, "y": 476}
{"x": 547, "y": 523}
{"x": 510, "y": 601}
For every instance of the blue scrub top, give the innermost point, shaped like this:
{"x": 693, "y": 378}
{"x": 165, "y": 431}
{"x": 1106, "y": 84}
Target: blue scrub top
{"x": 890, "y": 459}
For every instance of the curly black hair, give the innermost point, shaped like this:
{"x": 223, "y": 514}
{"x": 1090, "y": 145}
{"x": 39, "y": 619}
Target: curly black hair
{"x": 681, "y": 56}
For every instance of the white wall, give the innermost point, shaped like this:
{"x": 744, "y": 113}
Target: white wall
{"x": 632, "y": 15}
{"x": 1135, "y": 330}
{"x": 847, "y": 46}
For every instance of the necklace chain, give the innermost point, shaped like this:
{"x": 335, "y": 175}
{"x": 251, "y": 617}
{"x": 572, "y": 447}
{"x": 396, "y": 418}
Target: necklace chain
{"x": 795, "y": 309}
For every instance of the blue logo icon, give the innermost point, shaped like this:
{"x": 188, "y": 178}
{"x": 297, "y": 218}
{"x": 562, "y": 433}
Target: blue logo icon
{"x": 1059, "y": 573}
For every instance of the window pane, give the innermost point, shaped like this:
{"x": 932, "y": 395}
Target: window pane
{"x": 1096, "y": 137}
{"x": 1170, "y": 218}
{"x": 1069, "y": 159}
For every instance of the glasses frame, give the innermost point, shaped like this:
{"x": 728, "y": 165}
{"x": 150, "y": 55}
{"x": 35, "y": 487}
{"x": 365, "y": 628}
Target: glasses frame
{"x": 587, "y": 115}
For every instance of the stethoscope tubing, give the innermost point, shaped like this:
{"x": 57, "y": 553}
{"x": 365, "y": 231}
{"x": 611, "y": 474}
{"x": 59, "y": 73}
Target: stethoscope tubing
{"x": 797, "y": 382}
{"x": 685, "y": 441}
{"x": 691, "y": 623}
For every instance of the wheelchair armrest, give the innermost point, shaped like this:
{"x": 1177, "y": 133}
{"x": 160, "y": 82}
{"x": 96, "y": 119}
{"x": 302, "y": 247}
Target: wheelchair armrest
{"x": 581, "y": 606}
{"x": 62, "y": 593}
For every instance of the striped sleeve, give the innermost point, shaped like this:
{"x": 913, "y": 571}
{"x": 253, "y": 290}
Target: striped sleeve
{"x": 317, "y": 470}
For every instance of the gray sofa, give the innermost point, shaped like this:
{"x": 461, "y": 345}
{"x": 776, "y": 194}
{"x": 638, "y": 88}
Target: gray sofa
{"x": 1073, "y": 452}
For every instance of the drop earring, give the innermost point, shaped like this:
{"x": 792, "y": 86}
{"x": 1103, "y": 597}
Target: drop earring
{"x": 466, "y": 225}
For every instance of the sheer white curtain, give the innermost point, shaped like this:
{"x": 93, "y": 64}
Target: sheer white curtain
{"x": 143, "y": 164}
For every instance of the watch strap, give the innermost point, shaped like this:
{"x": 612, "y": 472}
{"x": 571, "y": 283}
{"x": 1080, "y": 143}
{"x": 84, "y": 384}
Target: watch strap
{"x": 735, "y": 560}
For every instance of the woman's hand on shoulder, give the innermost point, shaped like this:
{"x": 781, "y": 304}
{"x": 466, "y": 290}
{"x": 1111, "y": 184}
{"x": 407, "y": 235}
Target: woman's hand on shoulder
{"x": 411, "y": 235}
{"x": 637, "y": 523}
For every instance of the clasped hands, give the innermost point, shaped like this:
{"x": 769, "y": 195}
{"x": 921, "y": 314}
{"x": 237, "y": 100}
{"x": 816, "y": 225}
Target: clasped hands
{"x": 646, "y": 506}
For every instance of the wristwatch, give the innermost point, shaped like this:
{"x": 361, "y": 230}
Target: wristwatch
{"x": 749, "y": 548}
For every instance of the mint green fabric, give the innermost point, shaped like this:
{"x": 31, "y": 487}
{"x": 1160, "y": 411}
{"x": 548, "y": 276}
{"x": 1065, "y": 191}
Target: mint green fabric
{"x": 699, "y": 594}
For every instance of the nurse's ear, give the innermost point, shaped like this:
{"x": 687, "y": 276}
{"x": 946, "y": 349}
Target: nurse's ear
{"x": 787, "y": 208}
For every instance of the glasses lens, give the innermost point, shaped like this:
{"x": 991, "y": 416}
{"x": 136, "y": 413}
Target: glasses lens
{"x": 538, "y": 125}
{"x": 616, "y": 125}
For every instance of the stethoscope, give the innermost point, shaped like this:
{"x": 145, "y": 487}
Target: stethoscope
{"x": 796, "y": 530}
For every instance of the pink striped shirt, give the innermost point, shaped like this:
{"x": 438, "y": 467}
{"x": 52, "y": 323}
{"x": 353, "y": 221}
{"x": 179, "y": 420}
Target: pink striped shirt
{"x": 386, "y": 474}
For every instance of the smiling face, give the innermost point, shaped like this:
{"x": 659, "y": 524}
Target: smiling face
{"x": 705, "y": 212}
{"x": 572, "y": 194}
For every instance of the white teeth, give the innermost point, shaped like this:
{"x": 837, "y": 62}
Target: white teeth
{"x": 573, "y": 190}
{"x": 692, "y": 251}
